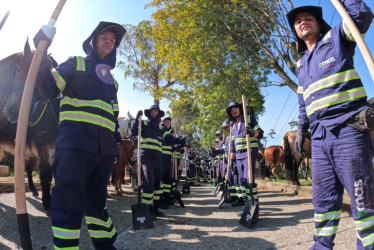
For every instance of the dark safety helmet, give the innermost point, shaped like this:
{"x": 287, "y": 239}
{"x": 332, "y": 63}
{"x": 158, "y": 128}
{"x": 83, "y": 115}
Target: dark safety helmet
{"x": 166, "y": 118}
{"x": 219, "y": 132}
{"x": 316, "y": 11}
{"x": 231, "y": 105}
{"x": 147, "y": 112}
{"x": 225, "y": 124}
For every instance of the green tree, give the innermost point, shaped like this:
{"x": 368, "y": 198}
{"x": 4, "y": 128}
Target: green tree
{"x": 140, "y": 62}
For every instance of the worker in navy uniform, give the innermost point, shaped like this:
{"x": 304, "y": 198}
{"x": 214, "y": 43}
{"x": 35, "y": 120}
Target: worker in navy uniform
{"x": 153, "y": 134}
{"x": 87, "y": 140}
{"x": 167, "y": 157}
{"x": 220, "y": 151}
{"x": 191, "y": 165}
{"x": 333, "y": 105}
{"x": 232, "y": 189}
{"x": 239, "y": 149}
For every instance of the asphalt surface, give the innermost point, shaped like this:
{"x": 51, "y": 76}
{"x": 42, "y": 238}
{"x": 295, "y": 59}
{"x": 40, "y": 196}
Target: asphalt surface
{"x": 286, "y": 222}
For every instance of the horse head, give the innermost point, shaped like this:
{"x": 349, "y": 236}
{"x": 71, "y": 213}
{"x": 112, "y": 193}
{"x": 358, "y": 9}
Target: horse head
{"x": 14, "y": 76}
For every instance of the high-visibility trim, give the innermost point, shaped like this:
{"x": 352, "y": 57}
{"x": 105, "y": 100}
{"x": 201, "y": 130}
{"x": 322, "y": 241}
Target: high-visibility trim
{"x": 66, "y": 248}
{"x": 349, "y": 34}
{"x": 80, "y": 116}
{"x": 327, "y": 36}
{"x": 167, "y": 185}
{"x": 364, "y": 223}
{"x": 367, "y": 241}
{"x": 87, "y": 103}
{"x": 325, "y": 231}
{"x": 333, "y": 215}
{"x": 165, "y": 134}
{"x": 146, "y": 146}
{"x": 66, "y": 234}
{"x": 148, "y": 202}
{"x": 334, "y": 99}
{"x": 298, "y": 64}
{"x": 60, "y": 82}
{"x": 96, "y": 221}
{"x": 81, "y": 64}
{"x": 102, "y": 234}
{"x": 147, "y": 195}
{"x": 146, "y": 140}
{"x": 158, "y": 192}
{"x": 330, "y": 81}
{"x": 115, "y": 107}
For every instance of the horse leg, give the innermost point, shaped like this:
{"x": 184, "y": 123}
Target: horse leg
{"x": 29, "y": 168}
{"x": 45, "y": 173}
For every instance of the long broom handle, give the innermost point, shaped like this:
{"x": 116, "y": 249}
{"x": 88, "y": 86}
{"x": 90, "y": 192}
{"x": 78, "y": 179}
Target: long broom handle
{"x": 249, "y": 158}
{"x": 139, "y": 150}
{"x": 4, "y": 19}
{"x": 19, "y": 163}
{"x": 357, "y": 36}
{"x": 228, "y": 155}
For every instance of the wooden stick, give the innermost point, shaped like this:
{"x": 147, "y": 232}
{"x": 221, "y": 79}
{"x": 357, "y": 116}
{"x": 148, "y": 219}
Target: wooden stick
{"x": 19, "y": 163}
{"x": 356, "y": 35}
{"x": 250, "y": 174}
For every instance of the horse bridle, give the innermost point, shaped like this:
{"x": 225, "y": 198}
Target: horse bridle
{"x": 9, "y": 89}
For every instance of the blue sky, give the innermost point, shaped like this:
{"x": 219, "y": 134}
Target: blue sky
{"x": 80, "y": 17}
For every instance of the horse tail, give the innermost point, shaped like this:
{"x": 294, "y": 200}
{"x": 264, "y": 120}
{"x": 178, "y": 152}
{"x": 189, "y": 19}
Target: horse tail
{"x": 289, "y": 159}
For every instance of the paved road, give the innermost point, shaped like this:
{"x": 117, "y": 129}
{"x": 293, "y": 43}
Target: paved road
{"x": 286, "y": 222}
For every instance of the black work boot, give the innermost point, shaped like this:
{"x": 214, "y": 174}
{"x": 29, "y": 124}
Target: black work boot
{"x": 156, "y": 212}
{"x": 238, "y": 203}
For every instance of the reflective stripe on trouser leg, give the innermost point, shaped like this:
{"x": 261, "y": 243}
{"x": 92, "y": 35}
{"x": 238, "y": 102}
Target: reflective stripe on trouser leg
{"x": 148, "y": 167}
{"x": 339, "y": 160}
{"x": 166, "y": 177}
{"x": 100, "y": 227}
{"x": 86, "y": 175}
{"x": 242, "y": 167}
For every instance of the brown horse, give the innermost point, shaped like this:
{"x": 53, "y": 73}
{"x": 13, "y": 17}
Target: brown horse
{"x": 43, "y": 121}
{"x": 291, "y": 158}
{"x": 274, "y": 155}
{"x": 126, "y": 152}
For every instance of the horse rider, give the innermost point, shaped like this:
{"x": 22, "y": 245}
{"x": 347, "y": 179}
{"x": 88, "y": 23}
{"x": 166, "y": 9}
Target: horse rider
{"x": 333, "y": 105}
{"x": 239, "y": 150}
{"x": 88, "y": 138}
{"x": 153, "y": 135}
{"x": 191, "y": 165}
{"x": 232, "y": 189}
{"x": 167, "y": 156}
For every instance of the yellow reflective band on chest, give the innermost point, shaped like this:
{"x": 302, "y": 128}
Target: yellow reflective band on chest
{"x": 330, "y": 81}
{"x": 151, "y": 140}
{"x": 334, "y": 99}
{"x": 87, "y": 103}
{"x": 80, "y": 116}
{"x": 81, "y": 64}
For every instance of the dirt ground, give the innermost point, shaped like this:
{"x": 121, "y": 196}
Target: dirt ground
{"x": 286, "y": 222}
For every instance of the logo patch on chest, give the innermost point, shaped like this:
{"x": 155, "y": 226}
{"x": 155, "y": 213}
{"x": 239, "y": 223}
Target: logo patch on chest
{"x": 327, "y": 64}
{"x": 103, "y": 72}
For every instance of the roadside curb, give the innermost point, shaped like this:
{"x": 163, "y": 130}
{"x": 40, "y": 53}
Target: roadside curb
{"x": 298, "y": 190}
{"x": 8, "y": 187}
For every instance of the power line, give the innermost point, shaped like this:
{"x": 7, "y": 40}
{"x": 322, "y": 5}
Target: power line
{"x": 280, "y": 134}
{"x": 282, "y": 109}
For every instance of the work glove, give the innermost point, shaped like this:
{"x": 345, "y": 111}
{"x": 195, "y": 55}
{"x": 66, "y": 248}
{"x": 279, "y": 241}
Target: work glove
{"x": 183, "y": 141}
{"x": 249, "y": 131}
{"x": 139, "y": 114}
{"x": 45, "y": 33}
{"x": 299, "y": 142}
